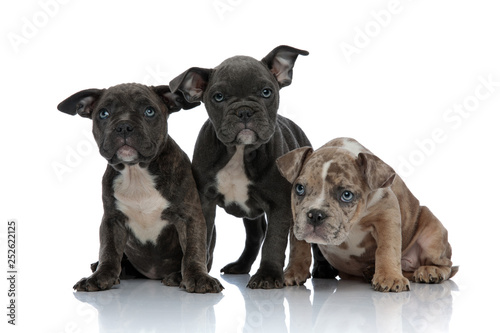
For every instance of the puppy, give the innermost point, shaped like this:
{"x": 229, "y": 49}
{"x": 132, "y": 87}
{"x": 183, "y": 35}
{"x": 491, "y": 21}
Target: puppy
{"x": 234, "y": 160}
{"x": 364, "y": 219}
{"x": 152, "y": 212}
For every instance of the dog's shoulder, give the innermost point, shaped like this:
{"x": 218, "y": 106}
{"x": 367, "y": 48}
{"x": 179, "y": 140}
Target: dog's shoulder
{"x": 292, "y": 133}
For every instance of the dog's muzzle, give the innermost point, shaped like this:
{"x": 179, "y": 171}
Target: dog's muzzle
{"x": 315, "y": 217}
{"x": 126, "y": 152}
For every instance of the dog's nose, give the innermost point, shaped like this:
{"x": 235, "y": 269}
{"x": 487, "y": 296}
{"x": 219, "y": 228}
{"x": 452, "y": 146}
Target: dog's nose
{"x": 244, "y": 114}
{"x": 124, "y": 129}
{"x": 315, "y": 216}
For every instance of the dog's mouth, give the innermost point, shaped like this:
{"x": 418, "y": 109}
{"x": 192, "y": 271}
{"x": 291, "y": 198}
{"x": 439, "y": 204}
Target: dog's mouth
{"x": 324, "y": 234}
{"x": 245, "y": 126}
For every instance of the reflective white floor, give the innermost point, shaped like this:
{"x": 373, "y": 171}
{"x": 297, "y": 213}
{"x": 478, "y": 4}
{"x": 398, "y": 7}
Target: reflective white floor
{"x": 321, "y": 305}
{"x": 318, "y": 306}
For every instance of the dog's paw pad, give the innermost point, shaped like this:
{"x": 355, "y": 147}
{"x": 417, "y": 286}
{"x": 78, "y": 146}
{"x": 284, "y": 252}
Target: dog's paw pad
{"x": 201, "y": 284}
{"x": 97, "y": 282}
{"x": 296, "y": 278}
{"x": 266, "y": 280}
{"x": 431, "y": 274}
{"x": 389, "y": 283}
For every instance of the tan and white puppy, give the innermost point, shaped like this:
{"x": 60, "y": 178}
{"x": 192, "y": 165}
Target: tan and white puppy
{"x": 364, "y": 219}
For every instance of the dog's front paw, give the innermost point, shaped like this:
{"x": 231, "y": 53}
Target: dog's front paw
{"x": 97, "y": 282}
{"x": 394, "y": 283}
{"x": 296, "y": 275}
{"x": 431, "y": 274}
{"x": 201, "y": 284}
{"x": 266, "y": 279}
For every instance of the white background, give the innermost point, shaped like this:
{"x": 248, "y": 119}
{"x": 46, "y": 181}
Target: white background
{"x": 413, "y": 65}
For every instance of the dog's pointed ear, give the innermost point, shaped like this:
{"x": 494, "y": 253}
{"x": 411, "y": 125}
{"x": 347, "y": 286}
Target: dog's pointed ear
{"x": 82, "y": 102}
{"x": 280, "y": 62}
{"x": 174, "y": 101}
{"x": 377, "y": 173}
{"x": 192, "y": 83}
{"x": 290, "y": 164}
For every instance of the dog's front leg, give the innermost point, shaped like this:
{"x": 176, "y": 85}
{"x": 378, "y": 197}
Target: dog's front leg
{"x": 270, "y": 273}
{"x": 209, "y": 207}
{"x": 112, "y": 237}
{"x": 387, "y": 233}
{"x": 255, "y": 232}
{"x": 192, "y": 230}
{"x": 297, "y": 271}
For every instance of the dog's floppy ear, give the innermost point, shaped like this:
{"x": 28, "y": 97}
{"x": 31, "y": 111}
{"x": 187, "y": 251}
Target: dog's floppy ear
{"x": 192, "y": 83}
{"x": 377, "y": 173}
{"x": 290, "y": 164}
{"x": 280, "y": 62}
{"x": 82, "y": 102}
{"x": 174, "y": 101}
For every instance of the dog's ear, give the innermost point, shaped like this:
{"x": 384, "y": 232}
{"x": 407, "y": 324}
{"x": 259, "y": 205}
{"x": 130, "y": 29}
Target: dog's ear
{"x": 290, "y": 164}
{"x": 174, "y": 101}
{"x": 82, "y": 102}
{"x": 280, "y": 62}
{"x": 192, "y": 83}
{"x": 377, "y": 173}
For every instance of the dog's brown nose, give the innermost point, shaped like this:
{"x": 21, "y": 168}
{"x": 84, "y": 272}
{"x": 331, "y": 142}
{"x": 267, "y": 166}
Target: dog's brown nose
{"x": 124, "y": 129}
{"x": 315, "y": 216}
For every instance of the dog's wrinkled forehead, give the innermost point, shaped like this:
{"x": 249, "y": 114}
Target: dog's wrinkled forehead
{"x": 127, "y": 97}
{"x": 334, "y": 166}
{"x": 242, "y": 71}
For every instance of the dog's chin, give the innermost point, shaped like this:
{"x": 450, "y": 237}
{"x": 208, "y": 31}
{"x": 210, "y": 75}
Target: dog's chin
{"x": 318, "y": 235}
{"x": 127, "y": 154}
{"x": 246, "y": 137}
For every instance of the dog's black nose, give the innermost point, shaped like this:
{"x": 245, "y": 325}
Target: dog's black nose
{"x": 124, "y": 129}
{"x": 315, "y": 216}
{"x": 244, "y": 114}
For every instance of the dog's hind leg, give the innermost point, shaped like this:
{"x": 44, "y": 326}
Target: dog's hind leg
{"x": 434, "y": 250}
{"x": 321, "y": 267}
{"x": 255, "y": 234}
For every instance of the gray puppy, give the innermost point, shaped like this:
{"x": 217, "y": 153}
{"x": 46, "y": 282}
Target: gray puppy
{"x": 152, "y": 212}
{"x": 234, "y": 162}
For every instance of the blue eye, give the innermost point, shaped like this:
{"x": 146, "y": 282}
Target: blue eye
{"x": 347, "y": 196}
{"x": 103, "y": 114}
{"x": 300, "y": 189}
{"x": 150, "y": 112}
{"x": 218, "y": 97}
{"x": 266, "y": 93}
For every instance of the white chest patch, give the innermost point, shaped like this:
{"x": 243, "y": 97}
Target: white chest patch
{"x": 232, "y": 182}
{"x": 137, "y": 198}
